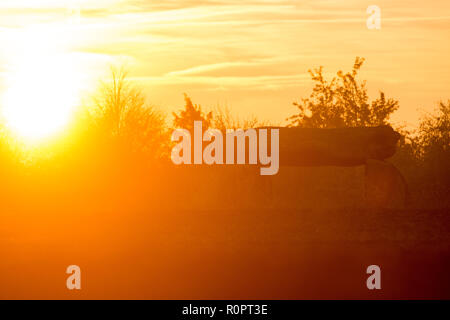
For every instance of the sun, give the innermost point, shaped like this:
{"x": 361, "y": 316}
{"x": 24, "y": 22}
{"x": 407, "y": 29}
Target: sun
{"x": 41, "y": 96}
{"x": 42, "y": 83}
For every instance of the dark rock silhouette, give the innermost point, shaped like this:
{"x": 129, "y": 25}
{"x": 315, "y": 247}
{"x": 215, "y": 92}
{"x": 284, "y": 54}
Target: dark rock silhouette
{"x": 384, "y": 185}
{"x": 336, "y": 147}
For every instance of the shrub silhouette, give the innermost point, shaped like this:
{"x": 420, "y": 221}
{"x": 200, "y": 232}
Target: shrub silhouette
{"x": 219, "y": 118}
{"x": 341, "y": 102}
{"x": 191, "y": 112}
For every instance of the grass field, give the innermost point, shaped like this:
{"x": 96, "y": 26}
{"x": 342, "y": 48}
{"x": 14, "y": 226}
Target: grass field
{"x": 222, "y": 254}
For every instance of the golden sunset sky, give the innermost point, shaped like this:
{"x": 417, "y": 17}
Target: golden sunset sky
{"x": 252, "y": 56}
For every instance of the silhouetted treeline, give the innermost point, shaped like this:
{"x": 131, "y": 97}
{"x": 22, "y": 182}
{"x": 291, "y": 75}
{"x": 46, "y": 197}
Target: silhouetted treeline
{"x": 116, "y": 153}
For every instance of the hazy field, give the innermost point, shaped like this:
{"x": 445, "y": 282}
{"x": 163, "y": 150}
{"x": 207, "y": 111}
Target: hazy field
{"x": 271, "y": 254}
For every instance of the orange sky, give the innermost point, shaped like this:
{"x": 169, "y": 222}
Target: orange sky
{"x": 252, "y": 56}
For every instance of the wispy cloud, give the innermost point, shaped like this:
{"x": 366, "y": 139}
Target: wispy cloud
{"x": 238, "y": 46}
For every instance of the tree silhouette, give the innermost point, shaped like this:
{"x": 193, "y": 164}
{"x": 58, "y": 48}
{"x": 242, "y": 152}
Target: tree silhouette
{"x": 122, "y": 114}
{"x": 341, "y": 102}
{"x": 434, "y": 144}
{"x": 434, "y": 132}
{"x": 186, "y": 117}
{"x": 223, "y": 119}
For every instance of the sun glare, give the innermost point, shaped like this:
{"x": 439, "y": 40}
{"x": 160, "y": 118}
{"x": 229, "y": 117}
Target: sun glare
{"x": 40, "y": 98}
{"x": 42, "y": 88}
